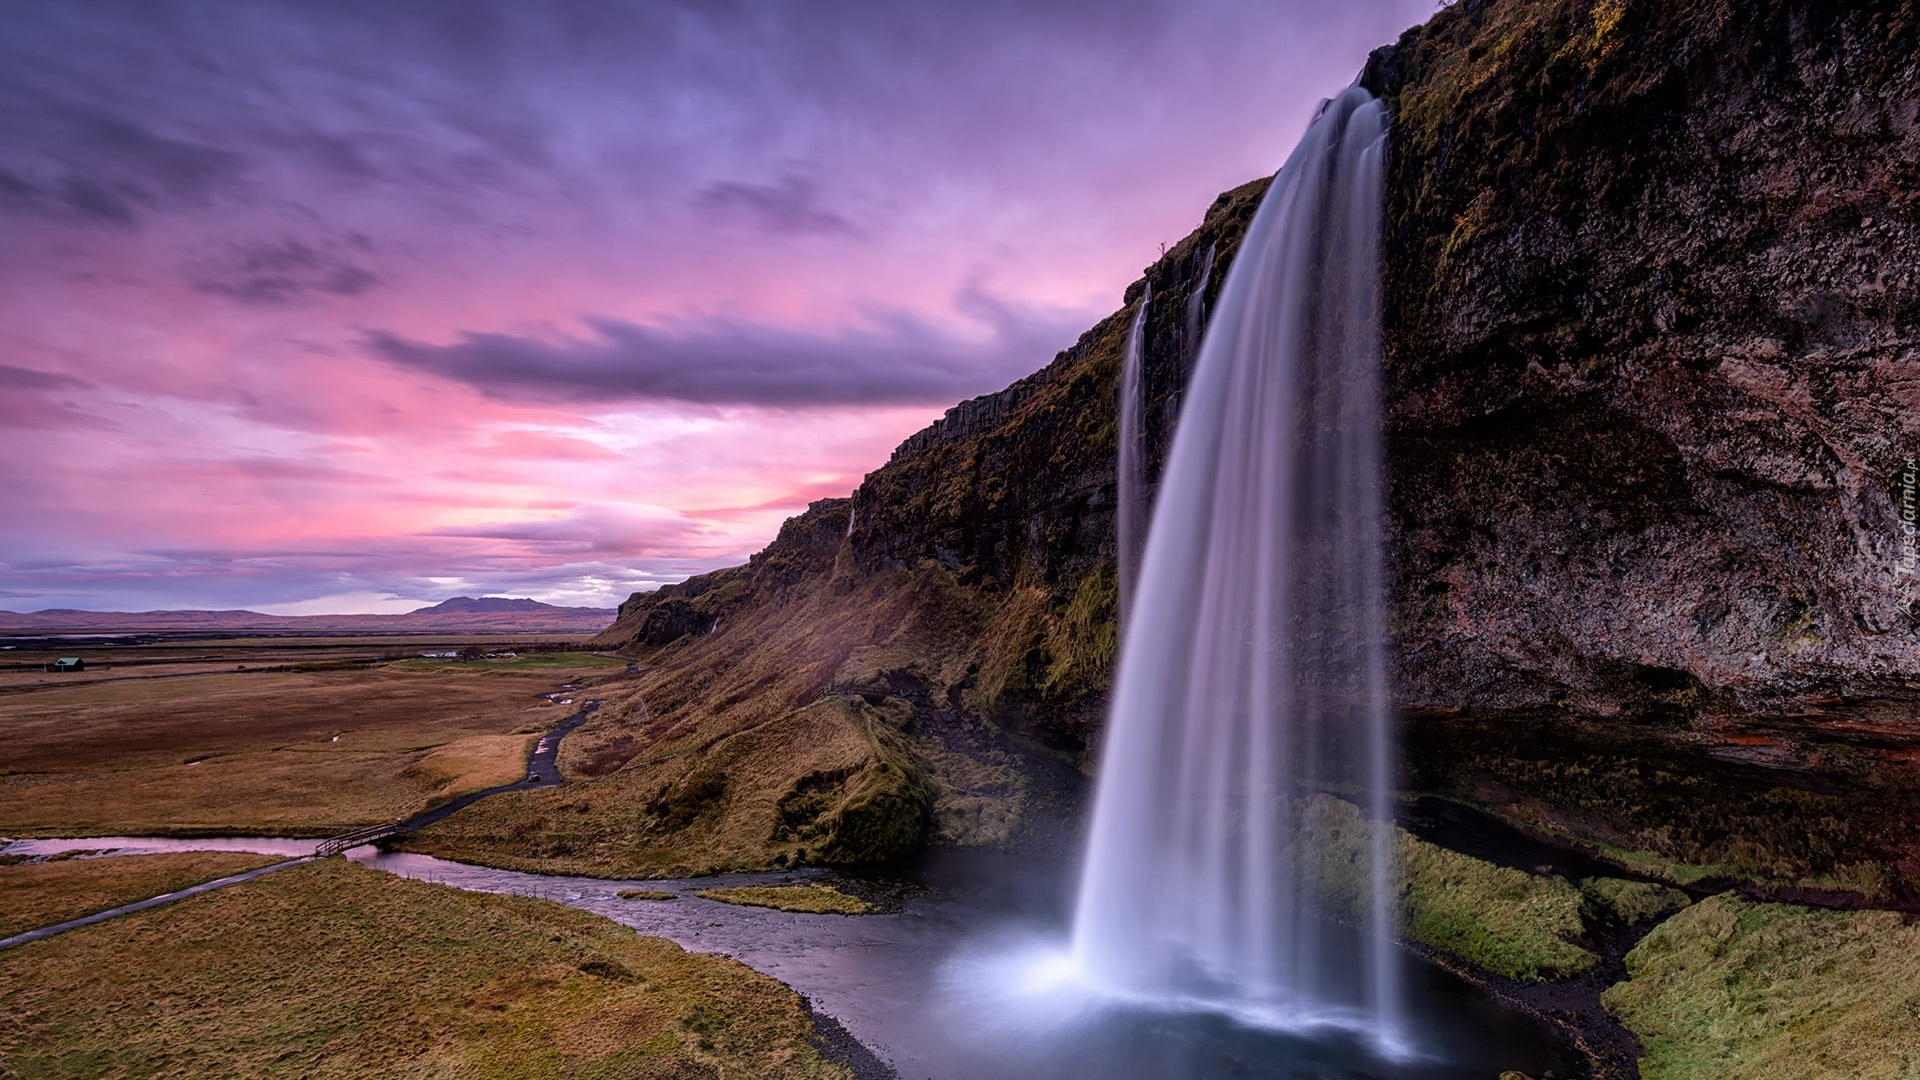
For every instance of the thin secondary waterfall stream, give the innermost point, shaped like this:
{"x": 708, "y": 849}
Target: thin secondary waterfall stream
{"x": 1252, "y": 672}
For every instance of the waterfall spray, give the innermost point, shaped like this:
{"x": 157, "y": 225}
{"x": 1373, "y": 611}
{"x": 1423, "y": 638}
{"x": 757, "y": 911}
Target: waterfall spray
{"x": 1252, "y": 671}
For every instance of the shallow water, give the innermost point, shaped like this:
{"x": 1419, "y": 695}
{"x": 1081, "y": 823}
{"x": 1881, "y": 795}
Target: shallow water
{"x": 149, "y": 845}
{"x": 954, "y": 986}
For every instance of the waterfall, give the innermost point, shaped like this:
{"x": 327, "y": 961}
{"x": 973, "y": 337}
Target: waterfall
{"x": 1252, "y": 671}
{"x": 1197, "y": 305}
{"x": 1131, "y": 521}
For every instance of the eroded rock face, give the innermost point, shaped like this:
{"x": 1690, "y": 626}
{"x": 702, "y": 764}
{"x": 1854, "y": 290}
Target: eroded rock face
{"x": 1654, "y": 350}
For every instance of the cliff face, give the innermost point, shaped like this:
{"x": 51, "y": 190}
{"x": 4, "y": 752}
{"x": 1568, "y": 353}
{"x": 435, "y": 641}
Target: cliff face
{"x": 1654, "y": 366}
{"x": 1653, "y": 348}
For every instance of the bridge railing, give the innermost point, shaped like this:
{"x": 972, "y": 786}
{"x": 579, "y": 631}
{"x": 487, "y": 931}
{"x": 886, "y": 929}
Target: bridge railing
{"x": 336, "y": 844}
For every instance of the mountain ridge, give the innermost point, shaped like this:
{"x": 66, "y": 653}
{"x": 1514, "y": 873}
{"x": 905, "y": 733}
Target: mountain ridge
{"x": 540, "y": 618}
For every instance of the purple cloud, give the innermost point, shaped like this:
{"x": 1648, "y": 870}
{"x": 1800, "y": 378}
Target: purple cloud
{"x": 895, "y": 358}
{"x": 790, "y": 205}
{"x": 284, "y": 271}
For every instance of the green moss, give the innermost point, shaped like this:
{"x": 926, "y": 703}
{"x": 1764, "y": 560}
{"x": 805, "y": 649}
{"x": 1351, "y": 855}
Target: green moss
{"x": 1507, "y": 921}
{"x": 647, "y": 894}
{"x": 1631, "y": 902}
{"x": 1085, "y": 642}
{"x": 809, "y": 898}
{"x": 1741, "y": 991}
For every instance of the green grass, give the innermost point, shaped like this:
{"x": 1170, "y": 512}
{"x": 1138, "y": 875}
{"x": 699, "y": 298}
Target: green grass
{"x": 335, "y": 970}
{"x": 1735, "y": 990}
{"x": 811, "y": 898}
{"x": 647, "y": 894}
{"x": 1632, "y": 902}
{"x": 39, "y": 894}
{"x": 1506, "y": 921}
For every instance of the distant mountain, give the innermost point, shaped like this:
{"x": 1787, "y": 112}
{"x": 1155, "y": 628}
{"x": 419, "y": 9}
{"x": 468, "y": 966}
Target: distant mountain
{"x": 465, "y": 614}
{"x": 491, "y": 605}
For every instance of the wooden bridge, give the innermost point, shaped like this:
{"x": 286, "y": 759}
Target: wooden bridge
{"x": 336, "y": 845}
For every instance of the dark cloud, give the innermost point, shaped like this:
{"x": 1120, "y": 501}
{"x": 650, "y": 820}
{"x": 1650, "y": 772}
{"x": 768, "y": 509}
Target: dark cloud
{"x": 19, "y": 378}
{"x": 73, "y": 162}
{"x": 284, "y": 271}
{"x": 792, "y": 205}
{"x": 597, "y": 530}
{"x": 896, "y": 358}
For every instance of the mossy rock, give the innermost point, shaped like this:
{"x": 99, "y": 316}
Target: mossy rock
{"x": 1737, "y": 990}
{"x": 1506, "y": 921}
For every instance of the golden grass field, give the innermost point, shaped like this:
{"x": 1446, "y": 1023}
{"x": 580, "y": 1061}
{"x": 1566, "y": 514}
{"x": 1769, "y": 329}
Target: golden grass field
{"x": 333, "y": 969}
{"x": 283, "y": 752}
{"x": 39, "y": 894}
{"x": 171, "y": 657}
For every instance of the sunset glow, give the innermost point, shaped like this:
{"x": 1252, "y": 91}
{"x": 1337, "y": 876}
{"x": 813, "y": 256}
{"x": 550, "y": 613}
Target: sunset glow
{"x": 327, "y": 307}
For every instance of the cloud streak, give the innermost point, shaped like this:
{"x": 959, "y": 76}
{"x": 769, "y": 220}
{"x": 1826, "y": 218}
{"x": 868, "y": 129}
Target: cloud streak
{"x": 283, "y": 271}
{"x": 895, "y": 358}
{"x": 790, "y": 205}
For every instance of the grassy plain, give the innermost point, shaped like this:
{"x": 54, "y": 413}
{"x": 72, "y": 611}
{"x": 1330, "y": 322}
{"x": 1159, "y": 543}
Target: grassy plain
{"x": 564, "y": 662}
{"x": 39, "y": 894}
{"x": 333, "y": 969}
{"x": 283, "y": 752}
{"x": 172, "y": 655}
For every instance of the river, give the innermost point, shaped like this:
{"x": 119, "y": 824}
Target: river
{"x": 949, "y": 986}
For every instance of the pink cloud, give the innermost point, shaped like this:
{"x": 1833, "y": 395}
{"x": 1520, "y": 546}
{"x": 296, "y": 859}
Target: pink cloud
{"x": 391, "y": 299}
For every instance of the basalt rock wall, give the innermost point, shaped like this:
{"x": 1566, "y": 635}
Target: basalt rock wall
{"x": 1654, "y": 350}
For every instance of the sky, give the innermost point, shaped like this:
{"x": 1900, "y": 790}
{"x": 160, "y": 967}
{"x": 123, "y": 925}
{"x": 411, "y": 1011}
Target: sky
{"x": 355, "y": 305}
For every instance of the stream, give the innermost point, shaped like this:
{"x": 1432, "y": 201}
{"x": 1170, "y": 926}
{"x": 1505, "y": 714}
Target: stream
{"x": 951, "y": 986}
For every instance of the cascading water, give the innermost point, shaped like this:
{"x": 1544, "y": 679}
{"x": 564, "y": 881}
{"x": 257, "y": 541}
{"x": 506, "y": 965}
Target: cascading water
{"x": 1252, "y": 671}
{"x": 1131, "y": 472}
{"x": 1197, "y": 303}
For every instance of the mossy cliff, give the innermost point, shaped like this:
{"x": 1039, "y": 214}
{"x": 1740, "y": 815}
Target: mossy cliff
{"x": 1654, "y": 379}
